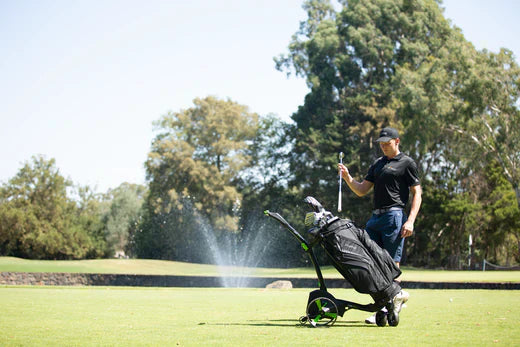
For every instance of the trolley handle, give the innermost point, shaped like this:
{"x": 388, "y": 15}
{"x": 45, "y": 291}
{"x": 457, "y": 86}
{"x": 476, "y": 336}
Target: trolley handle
{"x": 276, "y": 216}
{"x": 304, "y": 244}
{"x": 283, "y": 222}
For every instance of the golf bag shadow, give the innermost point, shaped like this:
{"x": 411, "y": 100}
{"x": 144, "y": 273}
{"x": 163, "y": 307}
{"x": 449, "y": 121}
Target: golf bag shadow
{"x": 366, "y": 266}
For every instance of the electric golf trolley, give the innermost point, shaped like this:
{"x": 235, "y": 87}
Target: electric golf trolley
{"x": 367, "y": 267}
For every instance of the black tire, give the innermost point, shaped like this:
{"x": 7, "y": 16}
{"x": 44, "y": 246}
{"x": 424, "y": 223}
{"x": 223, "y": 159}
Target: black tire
{"x": 393, "y": 319}
{"x": 381, "y": 318}
{"x": 322, "y": 312}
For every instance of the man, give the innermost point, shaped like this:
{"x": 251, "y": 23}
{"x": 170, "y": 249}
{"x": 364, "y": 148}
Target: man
{"x": 392, "y": 176}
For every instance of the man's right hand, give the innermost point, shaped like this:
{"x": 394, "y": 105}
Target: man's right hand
{"x": 359, "y": 188}
{"x": 343, "y": 171}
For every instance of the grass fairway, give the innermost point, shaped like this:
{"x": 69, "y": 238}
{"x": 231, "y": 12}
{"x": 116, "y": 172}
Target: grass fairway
{"x": 163, "y": 267}
{"x": 244, "y": 317}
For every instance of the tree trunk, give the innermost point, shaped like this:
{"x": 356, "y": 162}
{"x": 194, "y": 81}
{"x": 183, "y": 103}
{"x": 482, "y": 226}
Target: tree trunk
{"x": 517, "y": 191}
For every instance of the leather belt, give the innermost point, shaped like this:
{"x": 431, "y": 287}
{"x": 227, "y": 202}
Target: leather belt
{"x": 388, "y": 209}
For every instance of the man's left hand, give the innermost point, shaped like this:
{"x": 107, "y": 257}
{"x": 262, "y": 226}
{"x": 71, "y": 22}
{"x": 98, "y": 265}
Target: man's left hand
{"x": 407, "y": 229}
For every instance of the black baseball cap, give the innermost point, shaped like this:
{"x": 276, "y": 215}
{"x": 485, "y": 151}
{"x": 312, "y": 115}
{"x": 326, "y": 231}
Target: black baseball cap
{"x": 387, "y": 134}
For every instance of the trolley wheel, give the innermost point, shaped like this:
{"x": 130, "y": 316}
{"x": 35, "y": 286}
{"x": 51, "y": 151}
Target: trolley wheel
{"x": 322, "y": 312}
{"x": 381, "y": 318}
{"x": 393, "y": 318}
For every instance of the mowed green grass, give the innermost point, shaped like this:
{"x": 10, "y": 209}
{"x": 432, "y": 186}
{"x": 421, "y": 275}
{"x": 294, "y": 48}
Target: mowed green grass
{"x": 163, "y": 267}
{"x": 42, "y": 316}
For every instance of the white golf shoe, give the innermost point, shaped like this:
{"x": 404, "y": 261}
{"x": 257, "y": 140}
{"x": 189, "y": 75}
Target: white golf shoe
{"x": 400, "y": 299}
{"x": 399, "y": 302}
{"x": 372, "y": 318}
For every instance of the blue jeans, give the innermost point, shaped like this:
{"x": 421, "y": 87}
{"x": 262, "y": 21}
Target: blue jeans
{"x": 385, "y": 230}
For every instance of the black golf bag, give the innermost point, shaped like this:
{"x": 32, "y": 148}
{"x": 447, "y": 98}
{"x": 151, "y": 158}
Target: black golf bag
{"x": 365, "y": 265}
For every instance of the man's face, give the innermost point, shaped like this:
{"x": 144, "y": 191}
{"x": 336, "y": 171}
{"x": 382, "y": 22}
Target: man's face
{"x": 390, "y": 148}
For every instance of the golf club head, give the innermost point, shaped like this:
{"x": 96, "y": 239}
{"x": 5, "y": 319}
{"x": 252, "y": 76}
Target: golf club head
{"x": 319, "y": 217}
{"x": 315, "y": 218}
{"x": 316, "y": 206}
{"x": 309, "y": 218}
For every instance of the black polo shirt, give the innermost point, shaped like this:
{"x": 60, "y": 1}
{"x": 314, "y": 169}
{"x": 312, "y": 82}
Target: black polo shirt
{"x": 392, "y": 180}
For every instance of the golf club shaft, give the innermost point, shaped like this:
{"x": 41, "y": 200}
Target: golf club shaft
{"x": 340, "y": 179}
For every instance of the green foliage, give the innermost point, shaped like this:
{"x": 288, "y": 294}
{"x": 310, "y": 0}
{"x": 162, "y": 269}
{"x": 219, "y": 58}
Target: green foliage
{"x": 269, "y": 153}
{"x": 351, "y": 58}
{"x": 375, "y": 63}
{"x": 501, "y": 237}
{"x": 198, "y": 153}
{"x": 264, "y": 186}
{"x": 193, "y": 170}
{"x": 88, "y": 218}
{"x": 38, "y": 220}
{"x": 491, "y": 127}
{"x": 124, "y": 210}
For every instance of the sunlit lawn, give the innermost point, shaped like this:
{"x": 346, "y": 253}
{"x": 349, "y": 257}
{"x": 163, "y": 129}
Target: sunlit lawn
{"x": 115, "y": 316}
{"x": 39, "y": 316}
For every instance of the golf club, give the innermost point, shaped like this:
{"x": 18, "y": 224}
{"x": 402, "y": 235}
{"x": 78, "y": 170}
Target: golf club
{"x": 341, "y": 155}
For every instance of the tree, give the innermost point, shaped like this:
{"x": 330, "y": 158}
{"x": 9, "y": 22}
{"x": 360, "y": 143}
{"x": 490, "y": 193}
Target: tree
{"x": 269, "y": 150}
{"x": 263, "y": 186}
{"x": 37, "y": 219}
{"x": 461, "y": 108}
{"x": 193, "y": 167}
{"x": 376, "y": 63}
{"x": 350, "y": 58}
{"x": 125, "y": 208}
{"x": 500, "y": 240}
{"x": 89, "y": 212}
{"x": 493, "y": 115}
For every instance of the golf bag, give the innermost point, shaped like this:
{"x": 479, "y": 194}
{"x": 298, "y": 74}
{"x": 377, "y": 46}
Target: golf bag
{"x": 365, "y": 265}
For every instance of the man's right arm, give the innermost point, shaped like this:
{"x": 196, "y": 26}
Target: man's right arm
{"x": 359, "y": 188}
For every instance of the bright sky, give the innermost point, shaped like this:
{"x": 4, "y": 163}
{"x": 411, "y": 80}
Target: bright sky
{"x": 82, "y": 81}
